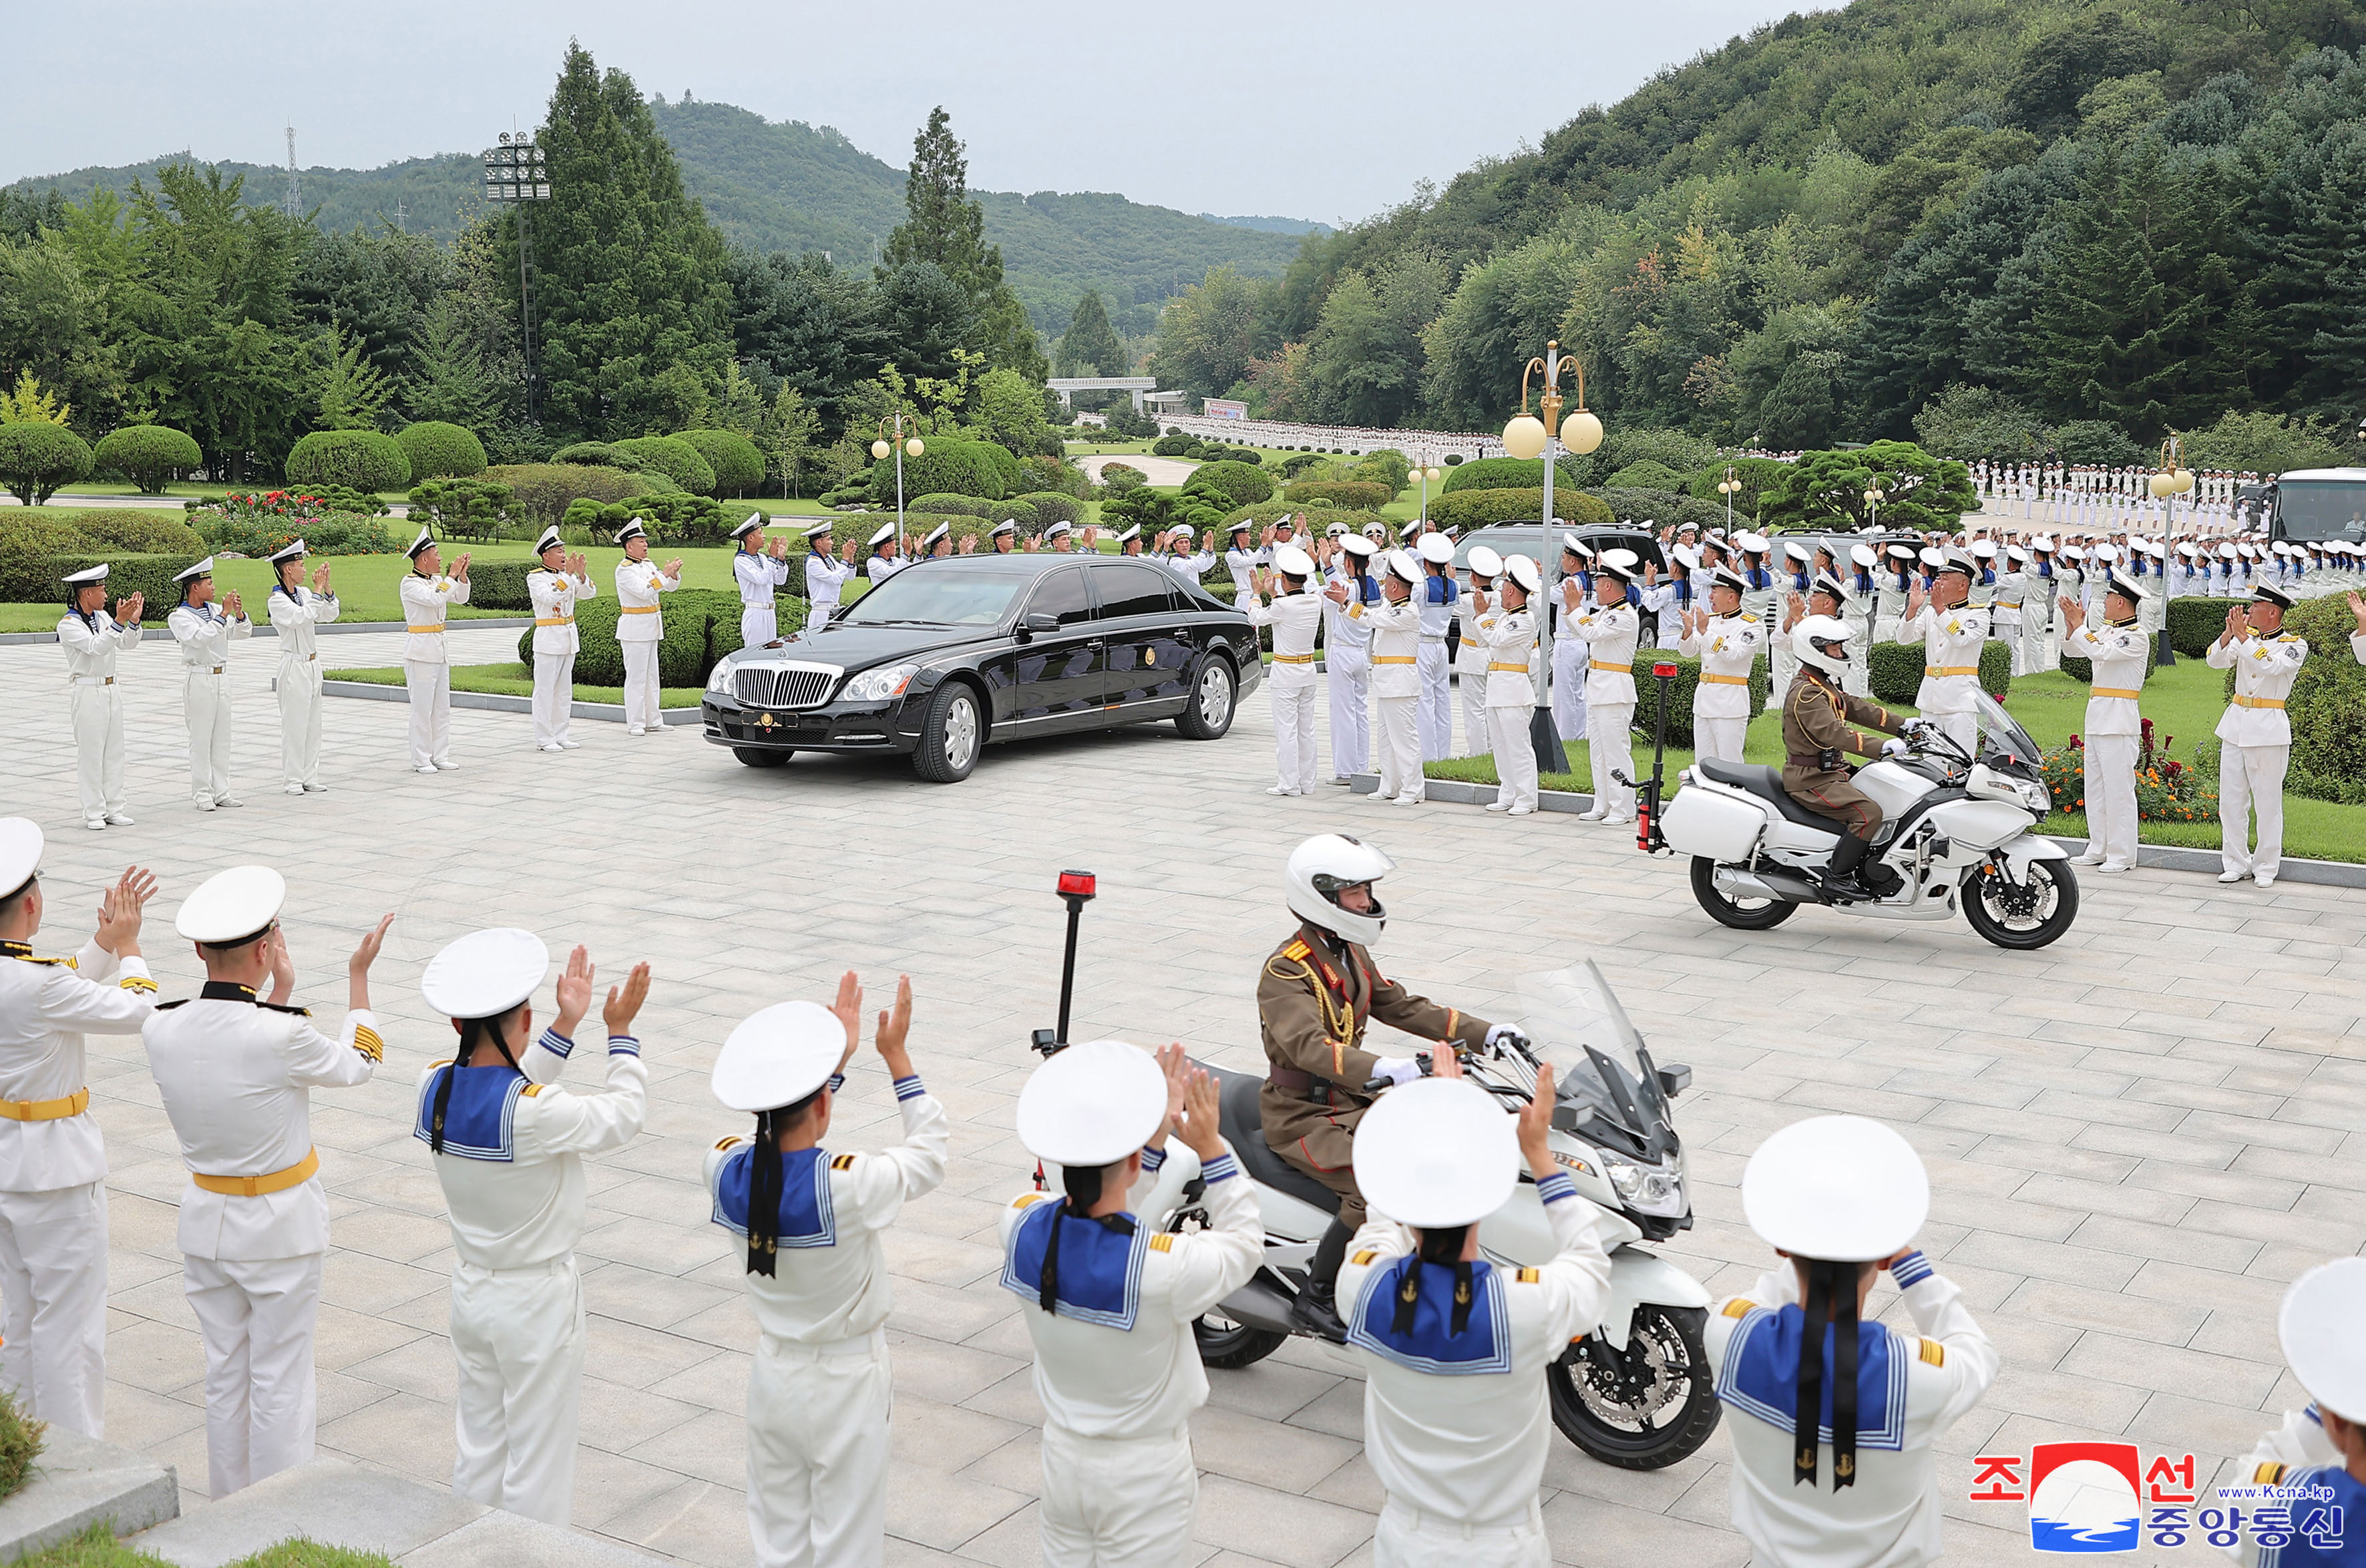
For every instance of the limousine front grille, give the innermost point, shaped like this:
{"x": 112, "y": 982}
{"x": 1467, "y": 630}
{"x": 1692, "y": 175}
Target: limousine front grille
{"x": 779, "y": 686}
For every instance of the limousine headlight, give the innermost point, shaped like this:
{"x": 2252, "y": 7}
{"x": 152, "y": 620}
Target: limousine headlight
{"x": 876, "y": 685}
{"x": 720, "y": 680}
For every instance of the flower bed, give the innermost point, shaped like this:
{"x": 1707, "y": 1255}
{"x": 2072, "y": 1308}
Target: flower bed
{"x": 2167, "y": 789}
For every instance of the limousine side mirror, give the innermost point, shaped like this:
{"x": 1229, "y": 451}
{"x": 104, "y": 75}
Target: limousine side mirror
{"x": 1037, "y": 624}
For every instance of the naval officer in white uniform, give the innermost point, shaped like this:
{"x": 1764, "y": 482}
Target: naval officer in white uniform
{"x": 759, "y": 570}
{"x": 1295, "y": 614}
{"x": 297, "y": 612}
{"x": 236, "y": 1070}
{"x": 2114, "y": 722}
{"x": 640, "y": 626}
{"x": 52, "y": 1160}
{"x": 812, "y": 1229}
{"x": 508, "y": 1149}
{"x": 427, "y": 597}
{"x": 2255, "y": 734}
{"x": 91, "y": 638}
{"x": 826, "y": 575}
{"x": 204, "y": 633}
{"x": 554, "y": 586}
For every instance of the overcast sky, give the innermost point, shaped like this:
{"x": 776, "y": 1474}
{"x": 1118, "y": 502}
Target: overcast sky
{"x": 1309, "y": 109}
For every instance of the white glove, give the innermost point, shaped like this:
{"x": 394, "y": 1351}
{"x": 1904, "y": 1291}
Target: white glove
{"x": 1894, "y": 747}
{"x": 1503, "y": 1031}
{"x": 1396, "y": 1070}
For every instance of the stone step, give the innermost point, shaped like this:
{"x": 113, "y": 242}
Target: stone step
{"x": 340, "y": 1504}
{"x": 76, "y": 1482}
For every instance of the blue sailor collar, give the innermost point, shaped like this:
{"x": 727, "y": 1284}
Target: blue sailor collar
{"x": 2348, "y": 1500}
{"x": 1760, "y": 1376}
{"x": 481, "y": 1120}
{"x": 807, "y": 1216}
{"x": 1483, "y": 1345}
{"x": 1100, "y": 1269}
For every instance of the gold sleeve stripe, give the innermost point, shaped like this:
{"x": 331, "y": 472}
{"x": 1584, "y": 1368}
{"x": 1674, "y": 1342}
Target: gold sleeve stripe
{"x": 1363, "y": 1260}
{"x": 1935, "y": 1353}
{"x": 1024, "y": 1199}
{"x": 727, "y": 1143}
{"x": 1162, "y": 1242}
{"x": 366, "y": 1041}
{"x": 136, "y": 983}
{"x": 1738, "y": 1307}
{"x": 2269, "y": 1474}
{"x": 1530, "y": 1276}
{"x": 532, "y": 1089}
{"x": 842, "y": 1162}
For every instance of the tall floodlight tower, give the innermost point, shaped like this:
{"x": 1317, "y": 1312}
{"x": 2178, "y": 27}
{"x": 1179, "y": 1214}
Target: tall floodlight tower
{"x": 295, "y": 198}
{"x": 517, "y": 175}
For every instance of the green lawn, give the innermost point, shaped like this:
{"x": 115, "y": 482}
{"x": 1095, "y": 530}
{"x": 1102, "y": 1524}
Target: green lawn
{"x": 97, "y": 1548}
{"x": 514, "y": 680}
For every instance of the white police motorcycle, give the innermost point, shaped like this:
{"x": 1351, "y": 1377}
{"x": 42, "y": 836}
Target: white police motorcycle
{"x": 1636, "y": 1392}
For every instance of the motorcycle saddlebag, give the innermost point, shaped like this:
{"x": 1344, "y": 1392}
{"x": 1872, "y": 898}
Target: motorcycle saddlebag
{"x": 1705, "y": 819}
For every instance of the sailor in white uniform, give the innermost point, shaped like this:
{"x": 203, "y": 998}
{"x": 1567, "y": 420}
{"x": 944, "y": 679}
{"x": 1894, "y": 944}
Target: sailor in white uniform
{"x": 1568, "y": 647}
{"x": 2114, "y": 723}
{"x": 52, "y": 1160}
{"x": 1507, "y": 642}
{"x": 1109, "y": 1303}
{"x": 427, "y": 596}
{"x": 1608, "y": 628}
{"x": 938, "y": 543}
{"x": 1454, "y": 1348}
{"x": 1840, "y": 1198}
{"x": 1347, "y": 657}
{"x": 826, "y": 575}
{"x": 296, "y": 612}
{"x": 554, "y": 586}
{"x": 1896, "y": 583}
{"x": 1798, "y": 578}
{"x": 1863, "y": 591}
{"x": 1241, "y": 559}
{"x": 1189, "y": 564}
{"x": 640, "y": 626}
{"x": 1396, "y": 623}
{"x": 508, "y": 1148}
{"x": 1438, "y": 602}
{"x": 1295, "y": 614}
{"x": 1002, "y": 539}
{"x": 2318, "y": 1455}
{"x": 236, "y": 1070}
{"x": 882, "y": 560}
{"x": 1951, "y": 633}
{"x": 811, "y": 1228}
{"x": 761, "y": 571}
{"x": 203, "y": 633}
{"x": 91, "y": 638}
{"x": 2255, "y": 735}
{"x": 1470, "y": 655}
{"x": 2004, "y": 610}
{"x": 1726, "y": 638}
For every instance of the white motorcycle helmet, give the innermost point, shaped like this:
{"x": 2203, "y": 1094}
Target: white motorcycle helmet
{"x": 1319, "y": 868}
{"x": 1823, "y": 641}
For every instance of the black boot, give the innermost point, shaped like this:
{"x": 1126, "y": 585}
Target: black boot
{"x": 1316, "y": 1307}
{"x": 1840, "y": 880}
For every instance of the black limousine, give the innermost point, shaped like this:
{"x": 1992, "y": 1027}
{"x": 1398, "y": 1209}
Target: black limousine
{"x": 950, "y": 654}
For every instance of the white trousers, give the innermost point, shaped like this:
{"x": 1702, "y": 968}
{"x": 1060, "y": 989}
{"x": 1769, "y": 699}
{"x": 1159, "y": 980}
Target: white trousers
{"x": 1477, "y": 734}
{"x": 1436, "y": 702}
{"x": 2110, "y": 765}
{"x": 1569, "y": 688}
{"x": 431, "y": 711}
{"x": 205, "y": 701}
{"x": 1719, "y": 738}
{"x": 2039, "y": 649}
{"x": 759, "y": 624}
{"x": 1609, "y": 747}
{"x": 518, "y": 1336}
{"x": 1856, "y": 677}
{"x": 819, "y": 612}
{"x": 1118, "y": 1504}
{"x": 1350, "y": 679}
{"x": 1515, "y": 756}
{"x": 554, "y": 697}
{"x": 1963, "y": 728}
{"x": 2251, "y": 781}
{"x": 818, "y": 1445}
{"x": 640, "y": 683}
{"x": 1407, "y": 1537}
{"x": 53, "y": 1292}
{"x": 1784, "y": 664}
{"x": 98, "y": 749}
{"x": 1293, "y": 736}
{"x": 257, "y": 1317}
{"x": 1399, "y": 748}
{"x": 299, "y": 721}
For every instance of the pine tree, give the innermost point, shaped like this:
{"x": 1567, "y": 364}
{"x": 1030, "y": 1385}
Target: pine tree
{"x": 1090, "y": 346}
{"x": 943, "y": 225}
{"x": 349, "y": 391}
{"x": 448, "y": 379}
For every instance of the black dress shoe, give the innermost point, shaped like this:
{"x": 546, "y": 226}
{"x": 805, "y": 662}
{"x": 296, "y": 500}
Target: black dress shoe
{"x": 1319, "y": 1314}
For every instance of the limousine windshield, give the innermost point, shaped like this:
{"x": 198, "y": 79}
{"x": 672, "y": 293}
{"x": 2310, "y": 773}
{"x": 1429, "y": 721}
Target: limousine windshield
{"x": 928, "y": 595}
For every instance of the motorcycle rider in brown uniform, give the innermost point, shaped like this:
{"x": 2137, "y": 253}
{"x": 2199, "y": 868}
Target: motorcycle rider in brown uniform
{"x": 1818, "y": 721}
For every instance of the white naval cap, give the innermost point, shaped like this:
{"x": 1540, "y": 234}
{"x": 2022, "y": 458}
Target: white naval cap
{"x": 1932, "y": 557}
{"x": 1403, "y": 563}
{"x": 2125, "y": 586}
{"x": 1838, "y": 1189}
{"x": 1619, "y": 564}
{"x": 1957, "y": 560}
{"x": 1007, "y": 525}
{"x": 1485, "y": 562}
{"x": 1131, "y": 535}
{"x": 550, "y": 540}
{"x": 1794, "y": 550}
{"x": 1983, "y": 551}
{"x": 1524, "y": 572}
{"x": 1182, "y": 529}
{"x": 1056, "y": 529}
{"x": 292, "y": 550}
{"x": 1574, "y": 546}
{"x": 1862, "y": 554}
{"x": 778, "y": 1056}
{"x": 632, "y": 530}
{"x": 20, "y": 853}
{"x": 818, "y": 529}
{"x": 86, "y": 576}
{"x": 1726, "y": 577}
{"x": 755, "y": 521}
{"x": 1376, "y": 531}
{"x": 1292, "y": 561}
{"x": 886, "y": 531}
{"x": 941, "y": 530}
{"x": 2015, "y": 556}
{"x": 1357, "y": 545}
{"x": 1092, "y": 1104}
{"x": 1436, "y": 1153}
{"x": 1752, "y": 544}
{"x": 1436, "y": 549}
{"x": 1336, "y": 531}
{"x": 487, "y": 973}
{"x": 1687, "y": 557}
{"x": 232, "y": 905}
{"x": 426, "y": 537}
{"x": 2042, "y": 542}
{"x": 195, "y": 569}
{"x": 2318, "y": 1326}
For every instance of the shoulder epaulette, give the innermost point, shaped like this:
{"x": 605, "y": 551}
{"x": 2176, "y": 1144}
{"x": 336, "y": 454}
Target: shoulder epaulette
{"x": 532, "y": 1089}
{"x": 286, "y": 1007}
{"x": 1738, "y": 1307}
{"x": 28, "y": 958}
{"x": 727, "y": 1143}
{"x": 2270, "y": 1474}
{"x": 167, "y": 1006}
{"x": 1363, "y": 1260}
{"x": 842, "y": 1162}
{"x": 1530, "y": 1276}
{"x": 1935, "y": 1353}
{"x": 1296, "y": 948}
{"x": 1753, "y": 619}
{"x": 1163, "y": 1241}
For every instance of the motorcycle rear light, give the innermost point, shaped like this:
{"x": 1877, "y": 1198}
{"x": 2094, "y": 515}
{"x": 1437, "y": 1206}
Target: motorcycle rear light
{"x": 1076, "y": 885}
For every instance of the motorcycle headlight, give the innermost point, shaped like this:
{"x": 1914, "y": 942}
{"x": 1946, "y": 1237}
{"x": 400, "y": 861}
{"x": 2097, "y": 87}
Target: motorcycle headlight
{"x": 1647, "y": 1190}
{"x": 2033, "y": 795}
{"x": 720, "y": 680}
{"x": 877, "y": 685}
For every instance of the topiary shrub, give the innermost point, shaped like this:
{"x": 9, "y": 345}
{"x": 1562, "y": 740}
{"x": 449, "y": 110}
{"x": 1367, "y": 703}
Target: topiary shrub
{"x": 32, "y": 577}
{"x": 1513, "y": 473}
{"x": 1055, "y": 476}
{"x": 702, "y": 625}
{"x": 464, "y": 508}
{"x": 147, "y": 454}
{"x": 947, "y": 466}
{"x": 1681, "y": 691}
{"x": 442, "y": 451}
{"x": 1123, "y": 478}
{"x": 361, "y": 458}
{"x": 2328, "y": 705}
{"x": 1054, "y": 507}
{"x": 501, "y": 584}
{"x": 674, "y": 458}
{"x": 739, "y": 466}
{"x": 543, "y": 490}
{"x": 598, "y": 453}
{"x": 38, "y": 457}
{"x": 2195, "y": 624}
{"x": 1238, "y": 484}
{"x": 1362, "y": 493}
{"x": 1478, "y": 508}
{"x": 1174, "y": 446}
{"x": 1894, "y": 670}
{"x": 1646, "y": 475}
{"x": 139, "y": 530}
{"x": 25, "y": 532}
{"x": 950, "y": 505}
{"x": 674, "y": 517}
{"x": 20, "y": 1443}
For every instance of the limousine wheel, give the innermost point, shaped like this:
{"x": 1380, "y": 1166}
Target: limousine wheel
{"x": 950, "y": 735}
{"x": 760, "y": 756}
{"x": 1209, "y": 713}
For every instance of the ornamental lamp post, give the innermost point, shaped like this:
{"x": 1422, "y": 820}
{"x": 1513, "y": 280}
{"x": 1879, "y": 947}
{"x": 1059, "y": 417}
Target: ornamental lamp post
{"x": 1528, "y": 436}
{"x": 516, "y": 174}
{"x": 2171, "y": 479}
{"x": 892, "y": 439}
{"x": 1427, "y": 476}
{"x": 1873, "y": 507}
{"x": 1729, "y": 487}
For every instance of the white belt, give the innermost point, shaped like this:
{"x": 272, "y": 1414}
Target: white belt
{"x": 1437, "y": 637}
{"x": 869, "y": 1343}
{"x": 92, "y": 679}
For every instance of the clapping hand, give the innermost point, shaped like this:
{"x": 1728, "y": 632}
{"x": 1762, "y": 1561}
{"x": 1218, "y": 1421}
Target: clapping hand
{"x": 1915, "y": 599}
{"x": 1536, "y": 1125}
{"x": 848, "y": 1010}
{"x": 126, "y": 610}
{"x": 894, "y": 1025}
{"x": 321, "y": 577}
{"x": 1266, "y": 538}
{"x": 846, "y": 552}
{"x": 283, "y": 967}
{"x": 461, "y": 569}
{"x": 2357, "y": 608}
{"x": 1337, "y": 594}
{"x": 1479, "y": 601}
{"x": 624, "y": 1002}
{"x": 237, "y": 609}
{"x": 119, "y": 907}
{"x": 2236, "y": 624}
{"x": 674, "y": 567}
{"x": 969, "y": 544}
{"x": 2073, "y": 617}
{"x": 574, "y": 992}
{"x": 1569, "y": 590}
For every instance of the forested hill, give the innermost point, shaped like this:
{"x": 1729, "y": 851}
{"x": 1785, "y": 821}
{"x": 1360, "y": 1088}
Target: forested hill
{"x": 791, "y": 186}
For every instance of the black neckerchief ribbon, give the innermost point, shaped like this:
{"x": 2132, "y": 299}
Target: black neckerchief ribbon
{"x": 471, "y": 1031}
{"x": 1831, "y": 1298}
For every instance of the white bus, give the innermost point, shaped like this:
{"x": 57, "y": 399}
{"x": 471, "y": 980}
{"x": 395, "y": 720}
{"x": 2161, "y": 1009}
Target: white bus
{"x": 2320, "y": 503}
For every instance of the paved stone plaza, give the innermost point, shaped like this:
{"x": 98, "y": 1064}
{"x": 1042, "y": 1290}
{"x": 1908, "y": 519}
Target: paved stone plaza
{"x": 2135, "y": 1136}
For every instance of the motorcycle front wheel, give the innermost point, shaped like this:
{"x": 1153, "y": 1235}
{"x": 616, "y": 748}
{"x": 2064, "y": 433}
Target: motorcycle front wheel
{"x": 1741, "y": 914}
{"x": 2024, "y": 916}
{"x": 1644, "y": 1407}
{"x": 1230, "y": 1346}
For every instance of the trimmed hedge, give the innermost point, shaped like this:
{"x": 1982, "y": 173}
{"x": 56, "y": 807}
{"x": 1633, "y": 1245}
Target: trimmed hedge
{"x": 947, "y": 466}
{"x": 1512, "y": 473}
{"x": 500, "y": 585}
{"x": 1681, "y": 691}
{"x": 1896, "y": 670}
{"x": 1053, "y": 506}
{"x": 1317, "y": 521}
{"x": 675, "y": 459}
{"x": 148, "y": 455}
{"x": 32, "y": 577}
{"x": 1662, "y": 508}
{"x": 544, "y": 490}
{"x": 134, "y": 530}
{"x": 1020, "y": 511}
{"x": 361, "y": 458}
{"x": 2328, "y": 705}
{"x": 338, "y": 533}
{"x": 24, "y": 531}
{"x": 702, "y": 625}
{"x": 2194, "y": 623}
{"x": 464, "y": 508}
{"x": 737, "y": 466}
{"x": 442, "y": 451}
{"x": 36, "y": 457}
{"x": 1477, "y": 508}
{"x": 1238, "y": 483}
{"x": 598, "y": 455}
{"x": 1366, "y": 494}
{"x": 675, "y": 517}
{"x": 1646, "y": 475}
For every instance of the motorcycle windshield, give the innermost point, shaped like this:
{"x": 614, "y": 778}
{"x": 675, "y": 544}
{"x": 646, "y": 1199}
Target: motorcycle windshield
{"x": 1607, "y": 1087}
{"x": 1999, "y": 731}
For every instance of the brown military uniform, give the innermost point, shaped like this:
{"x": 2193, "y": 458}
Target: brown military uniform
{"x": 1312, "y": 1009}
{"x": 1817, "y": 719}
